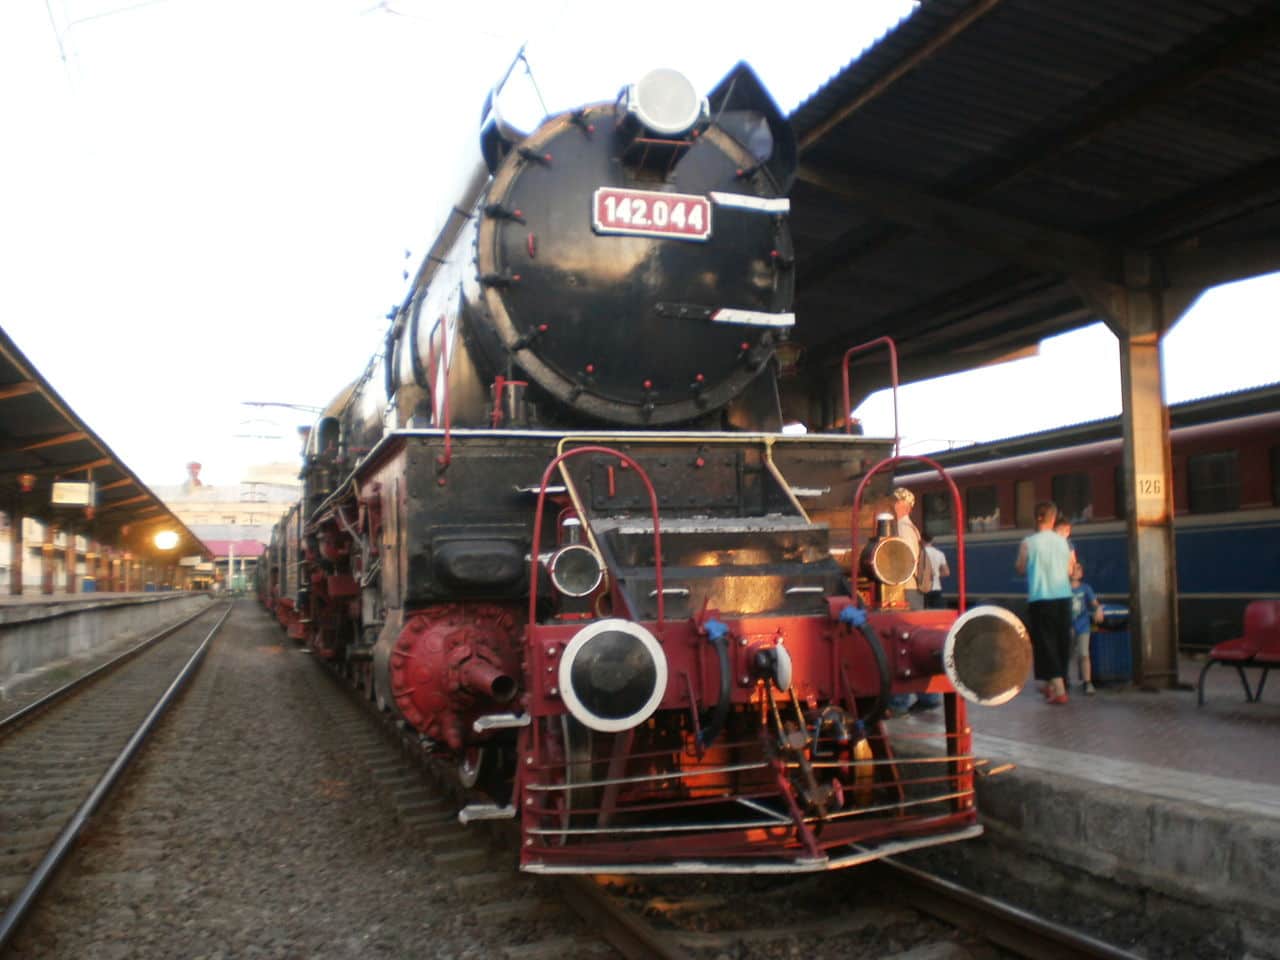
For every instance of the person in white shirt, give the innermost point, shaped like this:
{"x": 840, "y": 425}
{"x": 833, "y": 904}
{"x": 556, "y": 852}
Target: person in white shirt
{"x": 903, "y": 503}
{"x": 937, "y": 561}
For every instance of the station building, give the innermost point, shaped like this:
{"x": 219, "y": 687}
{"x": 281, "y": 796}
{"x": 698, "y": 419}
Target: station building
{"x": 233, "y": 520}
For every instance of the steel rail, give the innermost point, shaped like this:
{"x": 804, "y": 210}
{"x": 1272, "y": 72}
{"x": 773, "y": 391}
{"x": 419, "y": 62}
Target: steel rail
{"x": 607, "y": 918}
{"x": 62, "y": 845}
{"x": 628, "y": 934}
{"x": 995, "y": 920}
{"x": 11, "y": 722}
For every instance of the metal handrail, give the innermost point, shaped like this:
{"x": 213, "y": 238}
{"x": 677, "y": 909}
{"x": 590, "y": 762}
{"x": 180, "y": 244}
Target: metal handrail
{"x": 893, "y": 379}
{"x": 537, "y": 524}
{"x": 956, "y": 509}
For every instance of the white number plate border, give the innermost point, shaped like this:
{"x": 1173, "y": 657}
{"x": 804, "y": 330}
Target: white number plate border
{"x": 674, "y": 206}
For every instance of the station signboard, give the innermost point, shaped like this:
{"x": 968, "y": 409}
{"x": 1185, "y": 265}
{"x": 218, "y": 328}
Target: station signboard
{"x": 68, "y": 494}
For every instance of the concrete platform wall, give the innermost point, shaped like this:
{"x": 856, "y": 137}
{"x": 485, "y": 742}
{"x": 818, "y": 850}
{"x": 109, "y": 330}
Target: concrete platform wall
{"x": 34, "y": 635}
{"x": 1219, "y": 858}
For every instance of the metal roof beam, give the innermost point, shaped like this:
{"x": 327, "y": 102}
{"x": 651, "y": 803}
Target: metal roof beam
{"x": 79, "y": 467}
{"x": 57, "y": 440}
{"x": 983, "y": 294}
{"x": 18, "y": 389}
{"x": 1040, "y": 324}
{"x": 1244, "y": 39}
{"x": 1043, "y": 248}
{"x": 1203, "y": 206}
{"x": 59, "y": 470}
{"x": 140, "y": 498}
{"x": 1209, "y": 266}
{"x": 115, "y": 484}
{"x": 841, "y": 252}
{"x": 900, "y": 70}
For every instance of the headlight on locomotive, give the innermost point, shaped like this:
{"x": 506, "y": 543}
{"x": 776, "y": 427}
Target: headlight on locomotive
{"x": 575, "y": 570}
{"x": 613, "y": 675}
{"x": 665, "y": 103}
{"x": 889, "y": 561}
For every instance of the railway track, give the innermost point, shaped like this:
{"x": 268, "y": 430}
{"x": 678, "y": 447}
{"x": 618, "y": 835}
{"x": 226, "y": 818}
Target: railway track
{"x": 1000, "y": 923}
{"x": 480, "y": 859}
{"x": 63, "y": 753}
{"x": 656, "y": 918}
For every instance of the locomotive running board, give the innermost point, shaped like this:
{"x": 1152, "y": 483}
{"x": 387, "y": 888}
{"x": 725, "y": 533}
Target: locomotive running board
{"x": 859, "y": 855}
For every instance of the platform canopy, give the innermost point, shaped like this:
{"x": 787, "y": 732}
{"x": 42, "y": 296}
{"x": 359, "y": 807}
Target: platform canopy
{"x": 972, "y": 179}
{"x": 43, "y": 443}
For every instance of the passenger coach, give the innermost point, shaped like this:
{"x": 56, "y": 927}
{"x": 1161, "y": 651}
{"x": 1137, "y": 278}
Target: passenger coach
{"x": 1226, "y": 488}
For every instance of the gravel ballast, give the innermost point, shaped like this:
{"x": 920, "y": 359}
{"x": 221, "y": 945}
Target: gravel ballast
{"x": 270, "y": 818}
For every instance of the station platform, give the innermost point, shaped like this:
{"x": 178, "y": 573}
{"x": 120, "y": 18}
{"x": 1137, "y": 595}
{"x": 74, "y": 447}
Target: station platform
{"x": 1145, "y": 789}
{"x": 1225, "y": 753}
{"x": 39, "y": 631}
{"x": 12, "y": 605}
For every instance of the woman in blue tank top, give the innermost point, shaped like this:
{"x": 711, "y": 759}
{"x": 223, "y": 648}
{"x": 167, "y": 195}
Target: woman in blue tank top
{"x": 1045, "y": 558}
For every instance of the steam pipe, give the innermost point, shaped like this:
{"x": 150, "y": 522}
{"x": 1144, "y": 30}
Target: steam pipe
{"x": 480, "y": 676}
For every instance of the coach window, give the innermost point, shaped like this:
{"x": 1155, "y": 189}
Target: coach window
{"x": 1213, "y": 482}
{"x": 1024, "y": 504}
{"x": 1275, "y": 475}
{"x": 1122, "y": 505}
{"x": 937, "y": 515}
{"x": 1073, "y": 493}
{"x": 983, "y": 508}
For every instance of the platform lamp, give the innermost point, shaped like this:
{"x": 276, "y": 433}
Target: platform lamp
{"x": 166, "y": 540}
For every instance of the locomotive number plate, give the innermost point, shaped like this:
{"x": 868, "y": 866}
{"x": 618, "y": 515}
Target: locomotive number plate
{"x": 649, "y": 213}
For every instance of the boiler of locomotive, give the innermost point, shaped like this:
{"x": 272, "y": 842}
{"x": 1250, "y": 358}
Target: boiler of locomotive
{"x": 633, "y": 258}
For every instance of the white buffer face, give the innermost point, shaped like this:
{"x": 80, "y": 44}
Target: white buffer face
{"x": 613, "y": 675}
{"x": 987, "y": 655}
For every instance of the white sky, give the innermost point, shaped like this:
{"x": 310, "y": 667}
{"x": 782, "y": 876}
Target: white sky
{"x": 231, "y": 185}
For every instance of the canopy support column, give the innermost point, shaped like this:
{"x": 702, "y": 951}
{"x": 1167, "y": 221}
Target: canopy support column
{"x": 1140, "y": 314}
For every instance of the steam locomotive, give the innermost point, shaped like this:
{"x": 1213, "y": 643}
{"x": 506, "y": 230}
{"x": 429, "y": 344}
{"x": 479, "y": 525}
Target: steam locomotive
{"x": 557, "y": 529}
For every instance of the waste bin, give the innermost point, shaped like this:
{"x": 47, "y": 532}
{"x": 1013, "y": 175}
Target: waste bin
{"x": 1109, "y": 652}
{"x": 88, "y": 585}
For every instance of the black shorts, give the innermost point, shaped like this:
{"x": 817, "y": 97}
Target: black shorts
{"x": 1049, "y": 623}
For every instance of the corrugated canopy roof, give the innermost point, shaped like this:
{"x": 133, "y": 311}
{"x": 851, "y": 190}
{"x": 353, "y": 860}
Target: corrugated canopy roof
{"x": 42, "y": 438}
{"x": 958, "y": 175}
